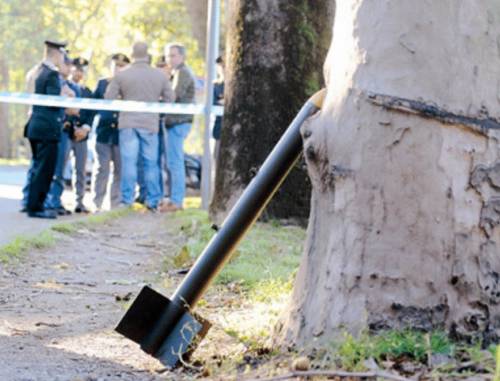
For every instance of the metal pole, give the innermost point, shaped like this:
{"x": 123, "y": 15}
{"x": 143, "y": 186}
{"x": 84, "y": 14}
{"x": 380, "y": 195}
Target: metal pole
{"x": 211, "y": 55}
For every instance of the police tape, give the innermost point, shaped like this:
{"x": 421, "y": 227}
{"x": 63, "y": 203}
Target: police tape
{"x": 106, "y": 105}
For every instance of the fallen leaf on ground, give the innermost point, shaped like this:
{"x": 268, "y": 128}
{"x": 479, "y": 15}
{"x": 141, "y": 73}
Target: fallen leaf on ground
{"x": 123, "y": 298}
{"x": 301, "y": 363}
{"x": 182, "y": 259}
{"x": 52, "y": 325}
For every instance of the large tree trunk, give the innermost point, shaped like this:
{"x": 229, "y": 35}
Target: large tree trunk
{"x": 5, "y": 136}
{"x": 276, "y": 51}
{"x": 404, "y": 229}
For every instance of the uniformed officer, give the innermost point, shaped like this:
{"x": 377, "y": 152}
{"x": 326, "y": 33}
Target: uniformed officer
{"x": 44, "y": 130}
{"x": 107, "y": 148}
{"x": 30, "y": 88}
{"x": 80, "y": 126}
{"x": 69, "y": 89}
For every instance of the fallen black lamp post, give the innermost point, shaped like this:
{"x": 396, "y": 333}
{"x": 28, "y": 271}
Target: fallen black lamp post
{"x": 166, "y": 328}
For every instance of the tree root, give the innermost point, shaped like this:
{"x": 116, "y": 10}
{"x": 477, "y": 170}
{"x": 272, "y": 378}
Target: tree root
{"x": 335, "y": 373}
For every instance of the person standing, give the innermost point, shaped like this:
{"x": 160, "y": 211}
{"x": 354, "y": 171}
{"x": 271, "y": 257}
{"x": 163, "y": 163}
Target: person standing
{"x": 138, "y": 132}
{"x": 161, "y": 64}
{"x": 178, "y": 126}
{"x": 53, "y": 200}
{"x": 30, "y": 88}
{"x": 80, "y": 130}
{"x": 162, "y": 153}
{"x": 44, "y": 131}
{"x": 218, "y": 101}
{"x": 107, "y": 148}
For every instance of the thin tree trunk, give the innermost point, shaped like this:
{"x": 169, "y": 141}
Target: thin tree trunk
{"x": 198, "y": 13}
{"x": 276, "y": 51}
{"x": 405, "y": 222}
{"x": 5, "y": 135}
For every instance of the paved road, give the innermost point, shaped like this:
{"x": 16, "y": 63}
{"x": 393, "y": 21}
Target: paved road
{"x": 12, "y": 222}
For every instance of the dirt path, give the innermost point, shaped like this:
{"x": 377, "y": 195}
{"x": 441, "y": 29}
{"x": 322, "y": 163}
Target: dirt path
{"x": 59, "y": 307}
{"x": 12, "y": 222}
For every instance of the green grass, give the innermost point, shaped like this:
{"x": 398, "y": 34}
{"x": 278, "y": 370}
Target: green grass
{"x": 497, "y": 358}
{"x": 46, "y": 239}
{"x": 266, "y": 258}
{"x": 21, "y": 245}
{"x": 351, "y": 353}
{"x": 391, "y": 345}
{"x": 90, "y": 221}
{"x": 261, "y": 269}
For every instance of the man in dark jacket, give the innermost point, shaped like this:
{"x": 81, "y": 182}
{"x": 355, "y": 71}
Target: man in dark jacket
{"x": 81, "y": 126}
{"x": 53, "y": 201}
{"x": 44, "y": 131}
{"x": 107, "y": 148}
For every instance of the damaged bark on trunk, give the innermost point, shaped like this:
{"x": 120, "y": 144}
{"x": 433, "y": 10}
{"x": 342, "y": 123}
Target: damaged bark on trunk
{"x": 405, "y": 222}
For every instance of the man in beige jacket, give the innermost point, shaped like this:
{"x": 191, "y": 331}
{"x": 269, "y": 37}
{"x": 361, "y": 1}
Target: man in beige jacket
{"x": 139, "y": 131}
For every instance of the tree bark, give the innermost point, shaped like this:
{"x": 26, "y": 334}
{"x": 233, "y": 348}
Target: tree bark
{"x": 276, "y": 51}
{"x": 405, "y": 222}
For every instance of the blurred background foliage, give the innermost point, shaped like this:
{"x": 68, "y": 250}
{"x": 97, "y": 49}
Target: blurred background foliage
{"x": 94, "y": 29}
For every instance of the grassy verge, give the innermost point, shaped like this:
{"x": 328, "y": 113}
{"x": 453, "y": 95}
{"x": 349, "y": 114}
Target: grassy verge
{"x": 497, "y": 372}
{"x": 21, "y": 245}
{"x": 253, "y": 289}
{"x": 90, "y": 221}
{"x": 47, "y": 239}
{"x": 265, "y": 260}
{"x": 410, "y": 352}
{"x": 254, "y": 286}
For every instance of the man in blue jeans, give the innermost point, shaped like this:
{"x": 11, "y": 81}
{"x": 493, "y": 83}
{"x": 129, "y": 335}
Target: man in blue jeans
{"x": 178, "y": 126}
{"x": 138, "y": 132}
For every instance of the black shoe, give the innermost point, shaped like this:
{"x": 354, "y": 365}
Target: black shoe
{"x": 153, "y": 209}
{"x": 23, "y": 210}
{"x": 62, "y": 211}
{"x": 81, "y": 209}
{"x": 140, "y": 200}
{"x": 42, "y": 214}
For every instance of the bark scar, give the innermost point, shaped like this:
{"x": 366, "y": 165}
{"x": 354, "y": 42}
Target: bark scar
{"x": 479, "y": 124}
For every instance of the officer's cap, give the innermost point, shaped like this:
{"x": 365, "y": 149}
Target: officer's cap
{"x": 56, "y": 44}
{"x": 120, "y": 58}
{"x": 80, "y": 63}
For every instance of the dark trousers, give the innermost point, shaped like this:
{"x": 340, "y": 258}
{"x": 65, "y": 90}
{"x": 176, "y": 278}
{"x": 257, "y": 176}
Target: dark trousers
{"x": 44, "y": 157}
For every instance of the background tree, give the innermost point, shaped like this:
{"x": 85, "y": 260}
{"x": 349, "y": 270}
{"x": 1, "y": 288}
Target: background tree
{"x": 160, "y": 24}
{"x": 276, "y": 51}
{"x": 198, "y": 13}
{"x": 405, "y": 222}
{"x": 16, "y": 18}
